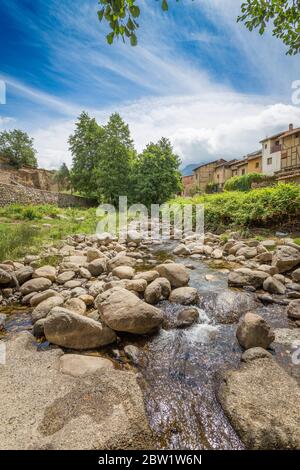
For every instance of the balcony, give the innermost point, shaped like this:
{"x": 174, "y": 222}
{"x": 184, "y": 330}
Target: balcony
{"x": 275, "y": 148}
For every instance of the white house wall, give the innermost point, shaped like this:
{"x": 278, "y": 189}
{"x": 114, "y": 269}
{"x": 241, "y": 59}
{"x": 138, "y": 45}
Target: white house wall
{"x": 269, "y": 169}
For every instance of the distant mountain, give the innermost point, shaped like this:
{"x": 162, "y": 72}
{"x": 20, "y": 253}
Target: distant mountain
{"x": 188, "y": 170}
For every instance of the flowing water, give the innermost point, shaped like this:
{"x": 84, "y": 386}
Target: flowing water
{"x": 179, "y": 368}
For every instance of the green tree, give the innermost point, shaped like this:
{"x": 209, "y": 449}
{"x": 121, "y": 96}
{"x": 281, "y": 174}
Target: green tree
{"x": 157, "y": 177}
{"x": 122, "y": 15}
{"x": 17, "y": 147}
{"x": 115, "y": 165}
{"x": 85, "y": 148}
{"x": 63, "y": 178}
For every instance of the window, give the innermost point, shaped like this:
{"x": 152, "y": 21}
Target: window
{"x": 276, "y": 142}
{"x": 243, "y": 171}
{"x": 266, "y": 146}
{"x": 269, "y": 161}
{"x": 257, "y": 165}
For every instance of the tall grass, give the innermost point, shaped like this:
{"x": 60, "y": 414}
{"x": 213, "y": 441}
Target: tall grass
{"x": 15, "y": 240}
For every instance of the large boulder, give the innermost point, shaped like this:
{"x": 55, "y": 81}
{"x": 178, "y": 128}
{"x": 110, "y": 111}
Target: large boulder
{"x": 286, "y": 258}
{"x": 247, "y": 277}
{"x": 176, "y": 273}
{"x": 293, "y": 309}
{"x": 184, "y": 296}
{"x": 157, "y": 290}
{"x": 253, "y": 331}
{"x": 43, "y": 308}
{"x": 71, "y": 330}
{"x": 99, "y": 410}
{"x": 262, "y": 402}
{"x": 122, "y": 310}
{"x": 35, "y": 285}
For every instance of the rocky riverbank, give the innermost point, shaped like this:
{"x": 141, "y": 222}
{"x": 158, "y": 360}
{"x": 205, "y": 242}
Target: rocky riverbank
{"x": 103, "y": 294}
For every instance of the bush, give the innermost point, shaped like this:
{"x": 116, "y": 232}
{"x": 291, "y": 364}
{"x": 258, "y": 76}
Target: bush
{"x": 270, "y": 206}
{"x": 244, "y": 182}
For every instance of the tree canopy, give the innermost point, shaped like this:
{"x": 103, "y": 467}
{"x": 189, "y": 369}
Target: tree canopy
{"x": 284, "y": 16}
{"x": 17, "y": 147}
{"x": 63, "y": 178}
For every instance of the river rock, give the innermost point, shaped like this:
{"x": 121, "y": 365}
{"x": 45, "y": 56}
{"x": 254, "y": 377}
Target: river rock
{"x": 176, "y": 273}
{"x": 120, "y": 260}
{"x": 5, "y": 277}
{"x": 65, "y": 277}
{"x": 157, "y": 290}
{"x": 38, "y": 328}
{"x": 262, "y": 402}
{"x": 132, "y": 352}
{"x": 255, "y": 353}
{"x": 76, "y": 305}
{"x": 43, "y": 308}
{"x": 93, "y": 253}
{"x": 74, "y": 331}
{"x": 293, "y": 309}
{"x": 187, "y": 317}
{"x": 97, "y": 267}
{"x": 247, "y": 277}
{"x": 273, "y": 286}
{"x": 35, "y": 285}
{"x": 296, "y": 275}
{"x": 24, "y": 274}
{"x": 84, "y": 273}
{"x": 148, "y": 276}
{"x": 79, "y": 365}
{"x": 217, "y": 254}
{"x": 122, "y": 310}
{"x": 136, "y": 285}
{"x": 247, "y": 251}
{"x": 253, "y": 331}
{"x": 181, "y": 249}
{"x": 123, "y": 272}
{"x": 286, "y": 258}
{"x": 48, "y": 272}
{"x": 184, "y": 296}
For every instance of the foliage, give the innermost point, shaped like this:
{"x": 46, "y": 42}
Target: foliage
{"x": 122, "y": 15}
{"x": 257, "y": 208}
{"x": 156, "y": 174}
{"x": 85, "y": 149}
{"x": 14, "y": 241}
{"x": 17, "y": 147}
{"x": 116, "y": 154}
{"x": 284, "y": 15}
{"x": 243, "y": 183}
{"x": 63, "y": 178}
{"x": 211, "y": 188}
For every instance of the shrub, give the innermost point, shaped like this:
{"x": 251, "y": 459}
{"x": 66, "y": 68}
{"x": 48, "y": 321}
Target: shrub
{"x": 243, "y": 183}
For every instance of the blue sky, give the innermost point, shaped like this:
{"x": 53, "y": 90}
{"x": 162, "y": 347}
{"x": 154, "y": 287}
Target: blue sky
{"x": 196, "y": 77}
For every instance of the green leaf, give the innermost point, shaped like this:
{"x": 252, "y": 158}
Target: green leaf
{"x": 135, "y": 11}
{"x": 165, "y": 5}
{"x": 133, "y": 40}
{"x": 110, "y": 37}
{"x": 101, "y": 14}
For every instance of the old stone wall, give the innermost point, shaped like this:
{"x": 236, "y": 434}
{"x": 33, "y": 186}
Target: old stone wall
{"x": 13, "y": 194}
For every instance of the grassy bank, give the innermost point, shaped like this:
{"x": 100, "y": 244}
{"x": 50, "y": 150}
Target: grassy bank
{"x": 24, "y": 229}
{"x": 272, "y": 207}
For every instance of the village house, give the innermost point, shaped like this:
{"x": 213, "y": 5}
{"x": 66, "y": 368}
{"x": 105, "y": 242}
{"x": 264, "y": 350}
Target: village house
{"x": 204, "y": 174}
{"x": 255, "y": 162}
{"x": 188, "y": 183}
{"x": 222, "y": 173}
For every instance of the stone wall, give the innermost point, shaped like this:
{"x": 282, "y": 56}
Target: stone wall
{"x": 12, "y": 194}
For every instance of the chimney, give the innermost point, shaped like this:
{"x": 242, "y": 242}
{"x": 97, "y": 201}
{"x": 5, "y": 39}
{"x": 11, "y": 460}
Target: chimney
{"x": 291, "y": 127}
